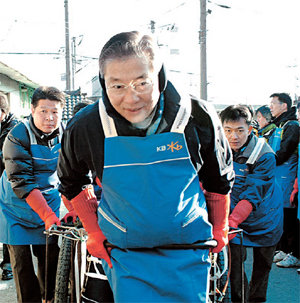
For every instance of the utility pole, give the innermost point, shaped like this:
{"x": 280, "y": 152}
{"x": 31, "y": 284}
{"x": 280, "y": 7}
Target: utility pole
{"x": 202, "y": 42}
{"x": 152, "y": 26}
{"x": 73, "y": 61}
{"x": 67, "y": 54}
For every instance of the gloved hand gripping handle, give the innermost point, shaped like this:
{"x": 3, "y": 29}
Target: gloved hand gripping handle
{"x": 85, "y": 205}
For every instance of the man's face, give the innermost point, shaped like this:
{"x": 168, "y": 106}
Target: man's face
{"x": 237, "y": 133}
{"x": 47, "y": 115}
{"x": 277, "y": 107}
{"x": 132, "y": 87}
{"x": 262, "y": 121}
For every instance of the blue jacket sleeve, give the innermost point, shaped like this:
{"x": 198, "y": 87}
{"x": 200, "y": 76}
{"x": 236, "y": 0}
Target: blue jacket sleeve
{"x": 18, "y": 161}
{"x": 260, "y": 179}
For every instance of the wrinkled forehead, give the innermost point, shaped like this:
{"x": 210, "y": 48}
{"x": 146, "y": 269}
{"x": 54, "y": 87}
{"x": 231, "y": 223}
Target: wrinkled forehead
{"x": 121, "y": 63}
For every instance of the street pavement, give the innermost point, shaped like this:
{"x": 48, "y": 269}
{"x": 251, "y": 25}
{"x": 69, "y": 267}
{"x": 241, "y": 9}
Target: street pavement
{"x": 7, "y": 288}
{"x": 284, "y": 284}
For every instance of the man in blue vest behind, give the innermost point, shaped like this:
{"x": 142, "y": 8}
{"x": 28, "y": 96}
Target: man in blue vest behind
{"x": 29, "y": 197}
{"x": 256, "y": 204}
{"x": 285, "y": 145}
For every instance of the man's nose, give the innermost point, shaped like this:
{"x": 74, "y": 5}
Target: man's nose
{"x": 130, "y": 95}
{"x": 50, "y": 117}
{"x": 234, "y": 135}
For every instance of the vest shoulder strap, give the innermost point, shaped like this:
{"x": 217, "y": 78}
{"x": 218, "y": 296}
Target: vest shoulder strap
{"x": 179, "y": 124}
{"x": 31, "y": 134}
{"x": 256, "y": 151}
{"x": 108, "y": 123}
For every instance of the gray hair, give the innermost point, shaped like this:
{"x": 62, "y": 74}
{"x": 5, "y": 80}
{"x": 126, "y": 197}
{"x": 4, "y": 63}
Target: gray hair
{"x": 265, "y": 112}
{"x": 129, "y": 44}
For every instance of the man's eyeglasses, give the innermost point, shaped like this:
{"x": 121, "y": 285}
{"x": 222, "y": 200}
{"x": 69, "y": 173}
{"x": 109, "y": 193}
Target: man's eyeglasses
{"x": 143, "y": 86}
{"x": 276, "y": 102}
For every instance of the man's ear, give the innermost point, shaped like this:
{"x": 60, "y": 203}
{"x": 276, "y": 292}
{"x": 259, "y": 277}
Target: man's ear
{"x": 285, "y": 106}
{"x": 250, "y": 129}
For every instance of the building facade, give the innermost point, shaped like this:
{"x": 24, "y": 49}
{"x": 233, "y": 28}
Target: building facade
{"x": 18, "y": 89}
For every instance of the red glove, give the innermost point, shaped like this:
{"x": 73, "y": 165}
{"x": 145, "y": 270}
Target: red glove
{"x": 85, "y": 204}
{"x": 239, "y": 214}
{"x": 218, "y": 211}
{"x": 39, "y": 204}
{"x": 294, "y": 193}
{"x": 72, "y": 213}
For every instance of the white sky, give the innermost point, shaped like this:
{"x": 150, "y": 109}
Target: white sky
{"x": 249, "y": 46}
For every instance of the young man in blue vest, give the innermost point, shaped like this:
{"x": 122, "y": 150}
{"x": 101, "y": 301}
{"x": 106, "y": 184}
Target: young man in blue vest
{"x": 256, "y": 206}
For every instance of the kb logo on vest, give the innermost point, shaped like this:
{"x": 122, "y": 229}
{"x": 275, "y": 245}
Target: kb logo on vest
{"x": 173, "y": 146}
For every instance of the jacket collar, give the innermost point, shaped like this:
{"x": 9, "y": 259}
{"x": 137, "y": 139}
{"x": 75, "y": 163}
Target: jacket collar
{"x": 38, "y": 133}
{"x": 266, "y": 129}
{"x": 247, "y": 148}
{"x": 171, "y": 107}
{"x": 286, "y": 116}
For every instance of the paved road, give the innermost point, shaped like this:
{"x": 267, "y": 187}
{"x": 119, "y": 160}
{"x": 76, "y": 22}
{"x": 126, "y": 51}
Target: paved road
{"x": 284, "y": 285}
{"x": 7, "y": 288}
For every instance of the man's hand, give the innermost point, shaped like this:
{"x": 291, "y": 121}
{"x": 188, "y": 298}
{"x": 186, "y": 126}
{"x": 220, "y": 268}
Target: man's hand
{"x": 220, "y": 235}
{"x": 85, "y": 205}
{"x": 39, "y": 204}
{"x": 95, "y": 246}
{"x": 239, "y": 214}
{"x": 72, "y": 214}
{"x": 218, "y": 211}
{"x": 51, "y": 220}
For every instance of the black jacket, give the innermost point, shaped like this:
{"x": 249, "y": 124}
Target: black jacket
{"x": 6, "y": 125}
{"x": 83, "y": 144}
{"x": 18, "y": 159}
{"x": 290, "y": 135}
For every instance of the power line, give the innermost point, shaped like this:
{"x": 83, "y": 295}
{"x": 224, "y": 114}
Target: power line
{"x": 20, "y": 53}
{"x": 44, "y": 53}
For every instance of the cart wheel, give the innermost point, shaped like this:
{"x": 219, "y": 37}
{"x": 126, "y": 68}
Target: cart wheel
{"x": 62, "y": 282}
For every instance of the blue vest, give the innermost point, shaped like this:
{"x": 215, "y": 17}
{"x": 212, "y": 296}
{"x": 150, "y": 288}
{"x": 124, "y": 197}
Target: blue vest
{"x": 286, "y": 172}
{"x": 19, "y": 223}
{"x": 264, "y": 225}
{"x": 151, "y": 197}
